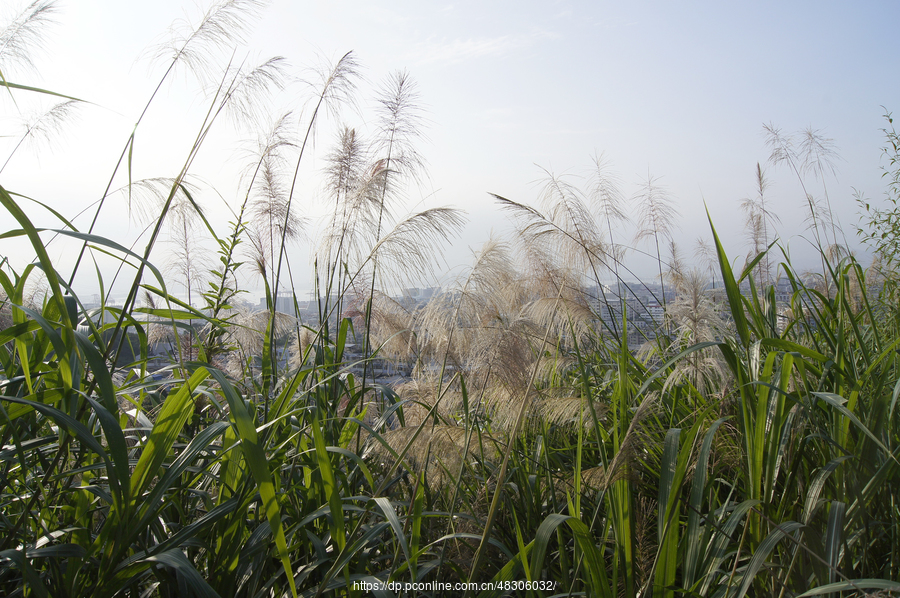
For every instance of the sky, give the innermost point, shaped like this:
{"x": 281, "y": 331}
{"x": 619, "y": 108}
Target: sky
{"x": 510, "y": 91}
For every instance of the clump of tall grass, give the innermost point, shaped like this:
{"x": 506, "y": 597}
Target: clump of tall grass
{"x": 755, "y": 453}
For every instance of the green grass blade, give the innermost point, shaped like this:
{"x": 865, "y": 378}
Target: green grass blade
{"x": 11, "y": 85}
{"x": 186, "y": 572}
{"x": 692, "y": 547}
{"x": 838, "y": 403}
{"x": 255, "y": 457}
{"x": 175, "y": 412}
{"x": 762, "y": 553}
{"x": 856, "y": 585}
{"x": 732, "y": 291}
{"x": 385, "y": 505}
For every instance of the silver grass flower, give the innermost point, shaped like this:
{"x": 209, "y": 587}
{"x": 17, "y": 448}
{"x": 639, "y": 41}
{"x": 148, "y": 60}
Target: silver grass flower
{"x": 758, "y": 218}
{"x": 391, "y": 329}
{"x": 709, "y": 260}
{"x": 399, "y": 127}
{"x": 246, "y": 97}
{"x": 23, "y": 34}
{"x": 411, "y": 248}
{"x": 657, "y": 218}
{"x": 44, "y": 126}
{"x": 607, "y": 199}
{"x": 694, "y": 318}
{"x": 656, "y": 210}
{"x": 439, "y": 450}
{"x": 223, "y": 26}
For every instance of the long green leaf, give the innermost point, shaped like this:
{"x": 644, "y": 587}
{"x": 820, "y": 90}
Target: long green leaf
{"x": 732, "y": 291}
{"x": 255, "y": 456}
{"x": 176, "y": 410}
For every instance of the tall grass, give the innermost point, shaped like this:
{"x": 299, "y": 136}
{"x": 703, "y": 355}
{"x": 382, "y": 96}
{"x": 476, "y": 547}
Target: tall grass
{"x": 750, "y": 449}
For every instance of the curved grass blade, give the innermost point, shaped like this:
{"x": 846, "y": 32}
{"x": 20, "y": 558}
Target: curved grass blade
{"x": 255, "y": 457}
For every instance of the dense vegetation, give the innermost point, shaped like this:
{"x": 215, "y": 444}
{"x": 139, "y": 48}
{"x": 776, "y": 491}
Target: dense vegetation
{"x": 748, "y": 448}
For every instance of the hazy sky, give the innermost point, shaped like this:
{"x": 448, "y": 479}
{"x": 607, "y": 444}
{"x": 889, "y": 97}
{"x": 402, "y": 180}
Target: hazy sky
{"x": 679, "y": 91}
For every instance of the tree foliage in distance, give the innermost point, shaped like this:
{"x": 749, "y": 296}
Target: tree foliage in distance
{"x": 881, "y": 226}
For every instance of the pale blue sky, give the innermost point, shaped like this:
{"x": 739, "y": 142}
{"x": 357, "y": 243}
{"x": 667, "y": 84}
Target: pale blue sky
{"x": 679, "y": 90}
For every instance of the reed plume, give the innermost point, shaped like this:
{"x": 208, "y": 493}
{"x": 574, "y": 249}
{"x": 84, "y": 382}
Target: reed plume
{"x": 563, "y": 249}
{"x": 400, "y": 125}
{"x": 709, "y": 261}
{"x": 807, "y": 153}
{"x": 352, "y": 186}
{"x": 271, "y": 220}
{"x": 392, "y": 329}
{"x": 334, "y": 86}
{"x": 439, "y": 451}
{"x": 578, "y": 239}
{"x": 758, "y": 219}
{"x": 478, "y": 327}
{"x": 44, "y": 126}
{"x": 246, "y": 98}
{"x": 606, "y": 197}
{"x": 223, "y": 26}
{"x": 657, "y": 219}
{"x": 694, "y": 318}
{"x": 676, "y": 268}
{"x": 23, "y": 35}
